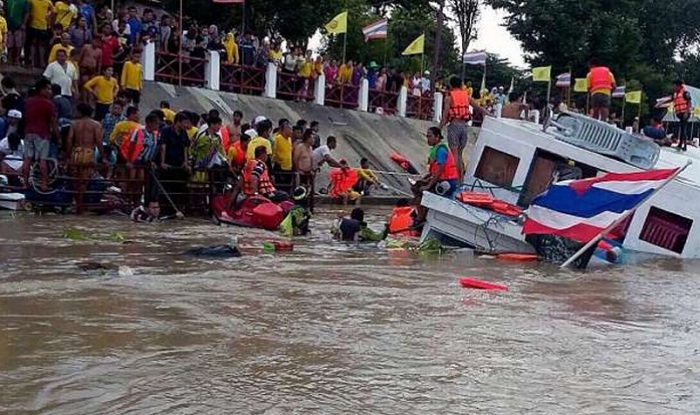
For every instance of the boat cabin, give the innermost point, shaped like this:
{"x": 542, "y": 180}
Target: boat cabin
{"x": 517, "y": 160}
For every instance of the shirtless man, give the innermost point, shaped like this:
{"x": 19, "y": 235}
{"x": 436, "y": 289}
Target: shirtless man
{"x": 84, "y": 137}
{"x": 302, "y": 160}
{"x": 234, "y": 129}
{"x": 515, "y": 107}
{"x": 90, "y": 64}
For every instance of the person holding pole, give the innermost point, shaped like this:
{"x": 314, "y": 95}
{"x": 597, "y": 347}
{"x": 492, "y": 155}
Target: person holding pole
{"x": 601, "y": 83}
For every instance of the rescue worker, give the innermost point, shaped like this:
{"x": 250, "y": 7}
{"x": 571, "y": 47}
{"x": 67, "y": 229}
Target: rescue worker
{"x": 456, "y": 114}
{"x": 443, "y": 175}
{"x": 256, "y": 178}
{"x": 682, "y": 105}
{"x": 601, "y": 83}
{"x": 355, "y": 229}
{"x": 236, "y": 153}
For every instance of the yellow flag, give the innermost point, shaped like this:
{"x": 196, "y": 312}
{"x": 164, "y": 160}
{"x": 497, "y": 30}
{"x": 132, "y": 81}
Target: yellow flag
{"x": 581, "y": 85}
{"x": 634, "y": 97}
{"x": 416, "y": 47}
{"x": 338, "y": 25}
{"x": 542, "y": 74}
{"x": 696, "y": 112}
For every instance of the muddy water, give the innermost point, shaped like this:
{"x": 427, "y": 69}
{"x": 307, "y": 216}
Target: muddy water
{"x": 329, "y": 329}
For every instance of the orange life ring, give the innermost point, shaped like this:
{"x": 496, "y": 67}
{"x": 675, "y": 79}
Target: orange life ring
{"x": 518, "y": 257}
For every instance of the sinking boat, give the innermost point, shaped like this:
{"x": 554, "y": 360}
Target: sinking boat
{"x": 253, "y": 212}
{"x": 515, "y": 161}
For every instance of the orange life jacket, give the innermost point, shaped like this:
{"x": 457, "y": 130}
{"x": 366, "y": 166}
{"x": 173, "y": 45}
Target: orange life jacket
{"x": 238, "y": 160}
{"x": 131, "y": 145}
{"x": 680, "y": 104}
{"x": 341, "y": 181}
{"x": 225, "y": 138}
{"x": 600, "y": 79}
{"x": 459, "y": 105}
{"x": 450, "y": 171}
{"x": 401, "y": 221}
{"x": 265, "y": 186}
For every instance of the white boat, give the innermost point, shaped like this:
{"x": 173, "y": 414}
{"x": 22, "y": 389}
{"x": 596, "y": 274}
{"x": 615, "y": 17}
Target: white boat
{"x": 11, "y": 201}
{"x": 517, "y": 160}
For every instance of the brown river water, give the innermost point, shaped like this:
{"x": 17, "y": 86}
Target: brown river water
{"x": 330, "y": 328}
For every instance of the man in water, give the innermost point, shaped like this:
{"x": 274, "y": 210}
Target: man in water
{"x": 355, "y": 229}
{"x": 148, "y": 214}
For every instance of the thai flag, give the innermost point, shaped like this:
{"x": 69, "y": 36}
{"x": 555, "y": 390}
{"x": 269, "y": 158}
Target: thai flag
{"x": 582, "y": 209}
{"x": 377, "y": 30}
{"x": 475, "y": 58}
{"x": 619, "y": 92}
{"x": 664, "y": 102}
{"x": 564, "y": 80}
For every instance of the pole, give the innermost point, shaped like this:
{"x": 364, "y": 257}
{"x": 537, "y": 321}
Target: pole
{"x": 242, "y": 19}
{"x": 622, "y": 218}
{"x": 386, "y": 48}
{"x": 179, "y": 53}
{"x": 624, "y": 101}
{"x": 588, "y": 104}
{"x": 568, "y": 90}
{"x": 438, "y": 44}
{"x": 549, "y": 90}
{"x": 422, "y": 62}
{"x": 639, "y": 114}
{"x": 345, "y": 44}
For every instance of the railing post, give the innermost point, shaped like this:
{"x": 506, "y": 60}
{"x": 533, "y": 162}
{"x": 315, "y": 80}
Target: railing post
{"x": 212, "y": 71}
{"x": 320, "y": 91}
{"x": 363, "y": 100}
{"x": 402, "y": 101}
{"x": 437, "y": 107}
{"x": 148, "y": 62}
{"x": 271, "y": 81}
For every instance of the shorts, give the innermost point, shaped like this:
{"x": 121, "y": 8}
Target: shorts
{"x": 36, "y": 147}
{"x": 599, "y": 100}
{"x": 133, "y": 96}
{"x": 82, "y": 156}
{"x": 15, "y": 39}
{"x": 42, "y": 36}
{"x": 457, "y": 134}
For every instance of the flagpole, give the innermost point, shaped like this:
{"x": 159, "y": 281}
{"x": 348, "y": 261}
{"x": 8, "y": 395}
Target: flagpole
{"x": 622, "y": 218}
{"x": 386, "y": 47}
{"x": 641, "y": 96}
{"x": 345, "y": 44}
{"x": 568, "y": 91}
{"x": 179, "y": 57}
{"x": 624, "y": 102}
{"x": 549, "y": 89}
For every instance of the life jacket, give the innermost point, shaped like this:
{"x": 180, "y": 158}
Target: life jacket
{"x": 680, "y": 104}
{"x": 225, "y": 138}
{"x": 459, "y": 105}
{"x": 239, "y": 159}
{"x": 341, "y": 181}
{"x": 265, "y": 186}
{"x": 600, "y": 79}
{"x": 450, "y": 171}
{"x": 401, "y": 221}
{"x": 132, "y": 145}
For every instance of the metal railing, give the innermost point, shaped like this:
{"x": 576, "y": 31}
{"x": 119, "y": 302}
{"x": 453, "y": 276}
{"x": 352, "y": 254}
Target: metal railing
{"x": 420, "y": 107}
{"x": 174, "y": 68}
{"x": 247, "y": 80}
{"x": 291, "y": 86}
{"x": 343, "y": 96}
{"x": 387, "y": 101}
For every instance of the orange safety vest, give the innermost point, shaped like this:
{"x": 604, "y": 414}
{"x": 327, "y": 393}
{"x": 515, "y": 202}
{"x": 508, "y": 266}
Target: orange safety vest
{"x": 131, "y": 145}
{"x": 265, "y": 186}
{"x": 680, "y": 104}
{"x": 450, "y": 171}
{"x": 600, "y": 79}
{"x": 239, "y": 159}
{"x": 401, "y": 221}
{"x": 459, "y": 105}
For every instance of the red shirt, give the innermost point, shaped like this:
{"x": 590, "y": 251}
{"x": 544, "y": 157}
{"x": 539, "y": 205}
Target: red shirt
{"x": 110, "y": 46}
{"x": 39, "y": 114}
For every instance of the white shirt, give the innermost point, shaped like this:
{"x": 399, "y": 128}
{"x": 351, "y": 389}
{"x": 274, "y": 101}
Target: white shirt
{"x": 319, "y": 155}
{"x": 425, "y": 84}
{"x": 5, "y": 149}
{"x": 62, "y": 77}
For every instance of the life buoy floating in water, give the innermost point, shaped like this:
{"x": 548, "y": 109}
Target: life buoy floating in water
{"x": 468, "y": 282}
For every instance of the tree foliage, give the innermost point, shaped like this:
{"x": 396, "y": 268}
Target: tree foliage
{"x": 640, "y": 40}
{"x": 466, "y": 13}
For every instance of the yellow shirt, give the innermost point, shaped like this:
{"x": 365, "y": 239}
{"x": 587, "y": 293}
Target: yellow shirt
{"x": 192, "y": 132}
{"x": 366, "y": 174}
{"x": 64, "y": 14}
{"x": 255, "y": 143}
{"x": 305, "y": 69}
{"x": 120, "y": 129}
{"x": 132, "y": 76}
{"x": 56, "y": 48}
{"x": 3, "y": 29}
{"x": 169, "y": 114}
{"x": 282, "y": 152}
{"x": 103, "y": 88}
{"x": 39, "y": 12}
{"x": 276, "y": 55}
{"x": 345, "y": 74}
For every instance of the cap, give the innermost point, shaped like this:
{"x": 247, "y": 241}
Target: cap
{"x": 259, "y": 119}
{"x": 251, "y": 133}
{"x": 14, "y": 114}
{"x": 426, "y": 73}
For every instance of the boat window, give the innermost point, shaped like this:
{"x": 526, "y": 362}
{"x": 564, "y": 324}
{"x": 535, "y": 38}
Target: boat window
{"x": 666, "y": 230}
{"x": 497, "y": 167}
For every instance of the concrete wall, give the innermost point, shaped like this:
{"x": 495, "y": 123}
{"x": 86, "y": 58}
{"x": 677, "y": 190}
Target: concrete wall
{"x": 359, "y": 134}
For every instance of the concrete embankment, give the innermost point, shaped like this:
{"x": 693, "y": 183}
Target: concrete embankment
{"x": 359, "y": 134}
